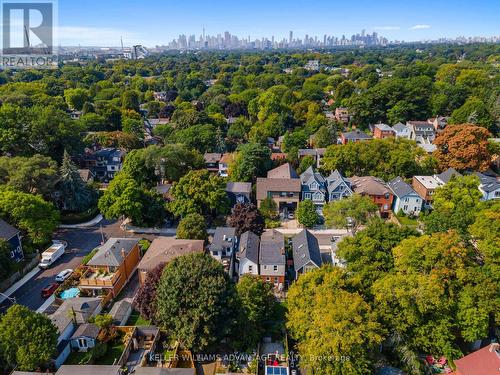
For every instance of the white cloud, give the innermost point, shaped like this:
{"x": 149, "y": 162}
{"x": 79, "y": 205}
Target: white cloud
{"x": 420, "y": 27}
{"x": 387, "y": 28}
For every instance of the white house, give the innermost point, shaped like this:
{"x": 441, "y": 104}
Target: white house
{"x": 402, "y": 130}
{"x": 85, "y": 337}
{"x": 405, "y": 198}
{"x": 489, "y": 187}
{"x": 248, "y": 254}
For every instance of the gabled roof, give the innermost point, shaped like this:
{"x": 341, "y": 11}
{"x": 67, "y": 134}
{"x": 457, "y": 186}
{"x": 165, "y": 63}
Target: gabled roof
{"x": 164, "y": 249}
{"x": 83, "y": 308}
{"x": 113, "y": 251}
{"x": 384, "y": 127}
{"x": 429, "y": 182}
{"x": 446, "y": 176}
{"x": 484, "y": 361}
{"x": 283, "y": 171}
{"x": 400, "y": 188}
{"x": 356, "y": 134}
{"x": 488, "y": 183}
{"x": 7, "y": 231}
{"x": 86, "y": 330}
{"x": 399, "y": 127}
{"x": 309, "y": 175}
{"x": 249, "y": 247}
{"x": 305, "y": 249}
{"x": 239, "y": 187}
{"x": 335, "y": 179}
{"x": 211, "y": 157}
{"x": 224, "y": 237}
{"x": 369, "y": 185}
{"x": 272, "y": 248}
{"x": 265, "y": 185}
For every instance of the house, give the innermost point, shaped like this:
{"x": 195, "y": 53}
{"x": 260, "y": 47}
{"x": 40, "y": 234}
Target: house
{"x": 438, "y": 122}
{"x": 381, "y": 131}
{"x": 405, "y": 198}
{"x": 212, "y": 161}
{"x": 86, "y": 175}
{"x": 316, "y": 153}
{"x": 105, "y": 163}
{"x": 239, "y": 192}
{"x": 12, "y": 236}
{"x": 111, "y": 267}
{"x": 272, "y": 260}
{"x": 312, "y": 65}
{"x": 163, "y": 250}
{"x": 376, "y": 189}
{"x": 402, "y": 130}
{"x": 67, "y": 317}
{"x": 342, "y": 115}
{"x": 224, "y": 243}
{"x": 338, "y": 187}
{"x": 85, "y": 337}
{"x": 425, "y": 187}
{"x": 313, "y": 186}
{"x": 489, "y": 186}
{"x": 421, "y": 131}
{"x": 447, "y": 175}
{"x": 354, "y": 136}
{"x": 485, "y": 361}
{"x": 248, "y": 254}
{"x": 283, "y": 186}
{"x": 224, "y": 163}
{"x": 306, "y": 252}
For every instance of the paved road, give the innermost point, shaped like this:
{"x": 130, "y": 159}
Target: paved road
{"x": 80, "y": 242}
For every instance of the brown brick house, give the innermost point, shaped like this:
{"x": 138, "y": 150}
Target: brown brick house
{"x": 112, "y": 266}
{"x": 376, "y": 189}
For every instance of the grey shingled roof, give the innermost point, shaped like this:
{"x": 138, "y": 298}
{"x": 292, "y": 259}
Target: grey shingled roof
{"x": 305, "y": 248}
{"x": 447, "y": 175}
{"x": 249, "y": 247}
{"x": 265, "y": 185}
{"x": 335, "y": 179}
{"x": 212, "y": 157}
{"x": 7, "y": 231}
{"x": 239, "y": 187}
{"x": 272, "y": 248}
{"x": 86, "y": 330}
{"x": 356, "y": 134}
{"x": 309, "y": 174}
{"x": 384, "y": 127}
{"x": 400, "y": 188}
{"x": 110, "y": 254}
{"x": 488, "y": 183}
{"x": 218, "y": 241}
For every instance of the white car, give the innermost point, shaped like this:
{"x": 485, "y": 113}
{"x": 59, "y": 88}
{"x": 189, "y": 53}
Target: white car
{"x": 63, "y": 275}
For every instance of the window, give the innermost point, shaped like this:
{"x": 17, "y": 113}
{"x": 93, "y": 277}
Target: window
{"x": 405, "y": 207}
{"x": 268, "y": 278}
{"x": 386, "y": 195}
{"x": 215, "y": 253}
{"x": 265, "y": 266}
{"x": 497, "y": 194}
{"x": 276, "y": 280}
{"x": 283, "y": 193}
{"x": 407, "y": 200}
{"x": 307, "y": 196}
{"x": 313, "y": 186}
{"x": 250, "y": 268}
{"x": 275, "y": 268}
{"x": 386, "y": 207}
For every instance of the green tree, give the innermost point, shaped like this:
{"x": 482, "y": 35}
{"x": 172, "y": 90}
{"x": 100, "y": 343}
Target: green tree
{"x": 192, "y": 227}
{"x": 131, "y": 100}
{"x": 76, "y": 98}
{"x": 29, "y": 213}
{"x": 454, "y": 205}
{"x": 307, "y": 214}
{"x": 125, "y": 197}
{"x": 6, "y": 262}
{"x": 27, "y": 339}
{"x": 199, "y": 192}
{"x": 325, "y": 136}
{"x": 252, "y": 161}
{"x": 473, "y": 111}
{"x": 195, "y": 300}
{"x": 77, "y": 196}
{"x": 350, "y": 212}
{"x": 306, "y": 162}
{"x": 133, "y": 126}
{"x": 256, "y": 304}
{"x": 336, "y": 330}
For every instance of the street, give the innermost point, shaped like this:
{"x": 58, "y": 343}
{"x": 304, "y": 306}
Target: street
{"x": 80, "y": 242}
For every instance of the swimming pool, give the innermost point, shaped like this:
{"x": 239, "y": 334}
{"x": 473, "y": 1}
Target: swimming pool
{"x": 70, "y": 293}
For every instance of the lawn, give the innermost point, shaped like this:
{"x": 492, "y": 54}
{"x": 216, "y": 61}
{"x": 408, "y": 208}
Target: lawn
{"x": 77, "y": 358}
{"x": 408, "y": 222}
{"x": 112, "y": 355}
{"x": 137, "y": 320}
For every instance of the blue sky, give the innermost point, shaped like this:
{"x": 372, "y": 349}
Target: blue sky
{"x": 151, "y": 22}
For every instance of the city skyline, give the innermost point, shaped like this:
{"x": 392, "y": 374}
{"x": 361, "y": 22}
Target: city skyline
{"x": 104, "y": 23}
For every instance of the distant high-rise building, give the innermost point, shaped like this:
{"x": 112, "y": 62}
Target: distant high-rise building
{"x": 290, "y": 37}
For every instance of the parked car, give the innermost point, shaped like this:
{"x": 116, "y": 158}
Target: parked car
{"x": 63, "y": 275}
{"x": 49, "y": 290}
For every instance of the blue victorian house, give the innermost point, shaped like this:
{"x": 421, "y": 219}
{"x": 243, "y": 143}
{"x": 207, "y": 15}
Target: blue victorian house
{"x": 11, "y": 235}
{"x": 338, "y": 187}
{"x": 313, "y": 187}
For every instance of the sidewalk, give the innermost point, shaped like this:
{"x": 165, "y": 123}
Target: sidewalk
{"x": 125, "y": 226}
{"x": 20, "y": 283}
{"x": 96, "y": 220}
